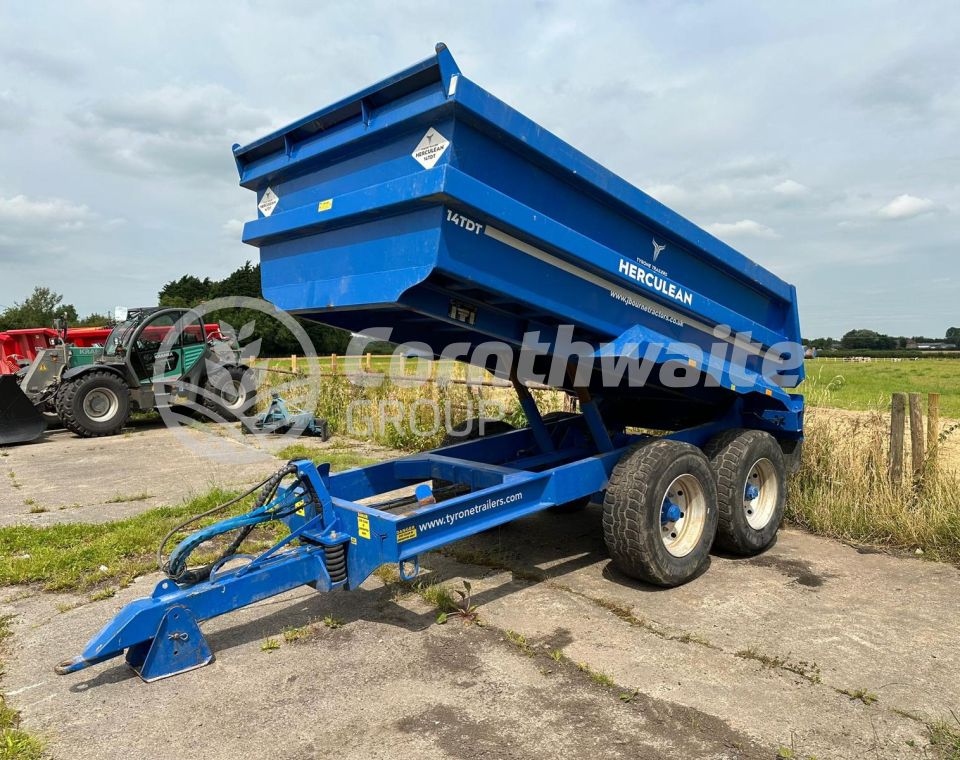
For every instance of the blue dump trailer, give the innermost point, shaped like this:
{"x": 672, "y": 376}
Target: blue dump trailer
{"x": 426, "y": 211}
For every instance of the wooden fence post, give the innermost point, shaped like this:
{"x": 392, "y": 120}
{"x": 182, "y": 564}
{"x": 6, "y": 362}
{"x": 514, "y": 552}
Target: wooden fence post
{"x": 333, "y": 363}
{"x": 916, "y": 435}
{"x": 933, "y": 428}
{"x": 293, "y": 362}
{"x": 369, "y": 362}
{"x": 898, "y": 408}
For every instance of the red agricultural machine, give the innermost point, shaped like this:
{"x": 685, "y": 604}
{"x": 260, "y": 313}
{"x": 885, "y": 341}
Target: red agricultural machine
{"x": 18, "y": 348}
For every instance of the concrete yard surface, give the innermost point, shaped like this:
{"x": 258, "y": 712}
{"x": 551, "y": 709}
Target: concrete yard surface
{"x": 572, "y": 660}
{"x": 64, "y": 478}
{"x": 812, "y": 649}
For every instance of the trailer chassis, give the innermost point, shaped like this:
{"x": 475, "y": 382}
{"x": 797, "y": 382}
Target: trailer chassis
{"x": 338, "y": 536}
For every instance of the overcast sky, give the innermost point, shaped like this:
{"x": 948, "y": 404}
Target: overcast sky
{"x": 821, "y": 139}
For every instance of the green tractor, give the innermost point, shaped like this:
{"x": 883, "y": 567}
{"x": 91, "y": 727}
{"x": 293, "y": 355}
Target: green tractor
{"x": 92, "y": 391}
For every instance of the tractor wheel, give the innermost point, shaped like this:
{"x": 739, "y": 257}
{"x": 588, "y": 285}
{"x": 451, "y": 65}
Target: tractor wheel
{"x": 660, "y": 512}
{"x": 751, "y": 489}
{"x": 94, "y": 404}
{"x": 230, "y": 393}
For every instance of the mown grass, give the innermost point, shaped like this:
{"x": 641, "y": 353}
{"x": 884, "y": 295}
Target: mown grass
{"x": 81, "y": 557}
{"x": 15, "y": 743}
{"x": 867, "y": 386}
{"x": 339, "y": 459}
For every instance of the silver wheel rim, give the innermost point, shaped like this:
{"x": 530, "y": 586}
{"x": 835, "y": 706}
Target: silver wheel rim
{"x": 760, "y": 494}
{"x": 683, "y": 515}
{"x": 233, "y": 395}
{"x": 101, "y": 404}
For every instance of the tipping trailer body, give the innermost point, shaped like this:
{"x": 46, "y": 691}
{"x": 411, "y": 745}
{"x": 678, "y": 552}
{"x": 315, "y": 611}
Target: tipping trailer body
{"x": 425, "y": 205}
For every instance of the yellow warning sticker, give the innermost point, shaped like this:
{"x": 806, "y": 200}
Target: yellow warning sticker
{"x": 407, "y": 534}
{"x": 325, "y": 205}
{"x": 300, "y": 505}
{"x": 363, "y": 525}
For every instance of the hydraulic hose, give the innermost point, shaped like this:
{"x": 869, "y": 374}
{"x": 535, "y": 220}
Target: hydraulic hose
{"x": 176, "y": 568}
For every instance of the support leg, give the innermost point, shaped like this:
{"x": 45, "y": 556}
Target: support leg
{"x": 179, "y": 646}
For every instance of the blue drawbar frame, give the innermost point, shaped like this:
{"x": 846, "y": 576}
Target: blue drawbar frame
{"x": 504, "y": 477}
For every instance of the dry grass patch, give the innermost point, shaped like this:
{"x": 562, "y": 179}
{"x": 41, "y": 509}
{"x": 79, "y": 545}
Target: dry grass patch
{"x": 843, "y": 489}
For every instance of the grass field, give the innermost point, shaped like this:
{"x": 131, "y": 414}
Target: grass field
{"x": 867, "y": 386}
{"x": 859, "y": 386}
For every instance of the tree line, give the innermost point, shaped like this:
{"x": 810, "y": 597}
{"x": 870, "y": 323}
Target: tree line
{"x": 276, "y": 339}
{"x": 875, "y": 341}
{"x": 42, "y": 306}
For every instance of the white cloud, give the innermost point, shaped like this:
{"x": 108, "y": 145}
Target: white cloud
{"x": 232, "y": 228}
{"x": 744, "y": 228}
{"x": 171, "y": 129}
{"x": 906, "y": 206}
{"x": 791, "y": 189}
{"x": 747, "y": 167}
{"x": 667, "y": 194}
{"x": 19, "y": 209}
{"x": 180, "y": 111}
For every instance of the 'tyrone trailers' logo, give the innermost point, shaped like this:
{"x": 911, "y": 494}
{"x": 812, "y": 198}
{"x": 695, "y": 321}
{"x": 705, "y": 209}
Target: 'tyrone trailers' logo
{"x": 657, "y": 248}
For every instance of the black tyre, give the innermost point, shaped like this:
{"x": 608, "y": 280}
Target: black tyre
{"x": 230, "y": 393}
{"x": 792, "y": 455}
{"x": 751, "y": 489}
{"x": 660, "y": 513}
{"x": 94, "y": 404}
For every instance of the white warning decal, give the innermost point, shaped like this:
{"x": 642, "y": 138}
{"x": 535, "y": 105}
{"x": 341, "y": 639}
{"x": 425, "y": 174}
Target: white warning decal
{"x": 430, "y": 148}
{"x": 268, "y": 202}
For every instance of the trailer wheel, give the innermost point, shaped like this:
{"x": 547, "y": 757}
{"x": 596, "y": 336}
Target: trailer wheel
{"x": 792, "y": 455}
{"x": 94, "y": 404}
{"x": 230, "y": 393}
{"x": 751, "y": 489}
{"x": 660, "y": 512}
